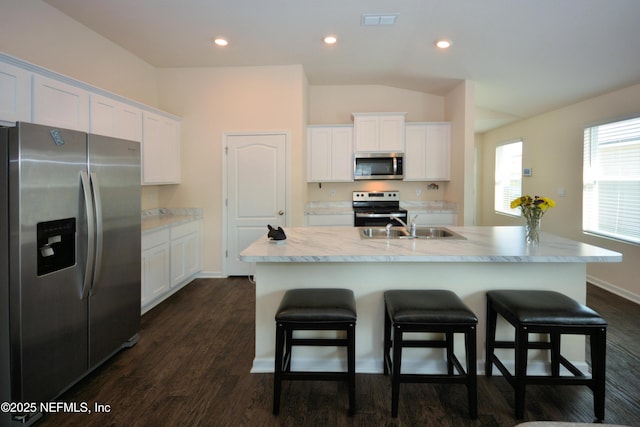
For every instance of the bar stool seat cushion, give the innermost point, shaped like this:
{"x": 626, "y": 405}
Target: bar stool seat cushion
{"x": 537, "y": 307}
{"x": 317, "y": 305}
{"x": 427, "y": 307}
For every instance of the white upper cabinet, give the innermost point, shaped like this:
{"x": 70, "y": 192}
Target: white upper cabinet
{"x": 29, "y": 93}
{"x": 113, "y": 118}
{"x": 329, "y": 153}
{"x": 59, "y": 104}
{"x": 428, "y": 152}
{"x": 15, "y": 94}
{"x": 160, "y": 149}
{"x": 379, "y": 132}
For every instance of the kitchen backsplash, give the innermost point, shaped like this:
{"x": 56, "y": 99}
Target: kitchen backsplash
{"x": 341, "y": 191}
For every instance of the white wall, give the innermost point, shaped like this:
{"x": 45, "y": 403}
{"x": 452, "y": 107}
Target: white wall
{"x": 460, "y": 112}
{"x": 552, "y": 146}
{"x": 212, "y": 101}
{"x": 38, "y": 33}
{"x": 334, "y": 104}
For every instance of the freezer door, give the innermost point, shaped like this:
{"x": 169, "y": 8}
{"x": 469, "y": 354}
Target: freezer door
{"x": 114, "y": 306}
{"x": 47, "y": 312}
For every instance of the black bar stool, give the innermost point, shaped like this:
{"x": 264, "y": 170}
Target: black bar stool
{"x": 312, "y": 310}
{"x": 545, "y": 312}
{"x": 438, "y": 311}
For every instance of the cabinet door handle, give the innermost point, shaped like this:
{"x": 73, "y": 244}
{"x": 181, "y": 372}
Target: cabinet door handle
{"x": 280, "y": 212}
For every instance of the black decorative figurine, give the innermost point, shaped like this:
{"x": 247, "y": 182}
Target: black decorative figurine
{"x": 276, "y": 233}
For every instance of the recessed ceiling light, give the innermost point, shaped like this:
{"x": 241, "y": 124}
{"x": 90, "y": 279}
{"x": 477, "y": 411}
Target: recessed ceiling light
{"x": 220, "y": 41}
{"x": 443, "y": 43}
{"x": 330, "y": 39}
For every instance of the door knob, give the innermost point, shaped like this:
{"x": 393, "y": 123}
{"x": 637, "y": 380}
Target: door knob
{"x": 280, "y": 212}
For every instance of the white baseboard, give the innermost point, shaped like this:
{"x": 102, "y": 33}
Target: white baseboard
{"x": 211, "y": 275}
{"x": 614, "y": 289}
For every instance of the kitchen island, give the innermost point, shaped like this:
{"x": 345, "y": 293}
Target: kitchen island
{"x": 487, "y": 258}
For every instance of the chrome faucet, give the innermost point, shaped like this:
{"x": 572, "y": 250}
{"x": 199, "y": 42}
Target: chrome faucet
{"x": 411, "y": 227}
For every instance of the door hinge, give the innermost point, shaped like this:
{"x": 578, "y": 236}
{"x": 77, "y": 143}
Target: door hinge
{"x": 226, "y": 150}
{"x": 226, "y": 254}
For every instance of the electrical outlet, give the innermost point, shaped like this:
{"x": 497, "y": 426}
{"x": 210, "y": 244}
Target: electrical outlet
{"x": 332, "y": 193}
{"x": 418, "y": 191}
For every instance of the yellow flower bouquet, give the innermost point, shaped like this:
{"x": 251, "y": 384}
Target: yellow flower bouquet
{"x": 532, "y": 208}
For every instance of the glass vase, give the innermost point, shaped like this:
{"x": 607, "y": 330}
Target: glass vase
{"x": 532, "y": 231}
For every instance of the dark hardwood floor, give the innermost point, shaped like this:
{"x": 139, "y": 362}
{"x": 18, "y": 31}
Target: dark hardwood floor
{"x": 191, "y": 368}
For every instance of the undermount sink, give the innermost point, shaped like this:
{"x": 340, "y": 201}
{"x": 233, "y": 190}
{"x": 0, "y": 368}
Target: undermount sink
{"x": 401, "y": 233}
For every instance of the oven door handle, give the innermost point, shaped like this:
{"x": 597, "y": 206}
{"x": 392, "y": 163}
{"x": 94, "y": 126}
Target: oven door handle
{"x": 375, "y": 215}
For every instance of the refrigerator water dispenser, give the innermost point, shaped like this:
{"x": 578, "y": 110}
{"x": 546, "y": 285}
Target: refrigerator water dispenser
{"x": 56, "y": 245}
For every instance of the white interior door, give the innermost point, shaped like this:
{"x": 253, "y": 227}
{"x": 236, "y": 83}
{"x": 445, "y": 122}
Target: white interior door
{"x": 256, "y": 192}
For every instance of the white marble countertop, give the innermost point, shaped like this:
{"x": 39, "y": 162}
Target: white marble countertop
{"x": 154, "y": 219}
{"x": 482, "y": 244}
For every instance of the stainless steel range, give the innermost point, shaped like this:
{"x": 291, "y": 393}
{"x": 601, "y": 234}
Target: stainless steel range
{"x": 377, "y": 208}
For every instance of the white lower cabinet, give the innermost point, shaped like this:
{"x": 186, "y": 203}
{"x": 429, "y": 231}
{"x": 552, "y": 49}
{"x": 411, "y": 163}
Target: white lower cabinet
{"x": 155, "y": 266}
{"x": 170, "y": 259}
{"x": 185, "y": 252}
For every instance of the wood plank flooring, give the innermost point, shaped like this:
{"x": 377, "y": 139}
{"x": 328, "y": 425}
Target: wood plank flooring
{"x": 191, "y": 368}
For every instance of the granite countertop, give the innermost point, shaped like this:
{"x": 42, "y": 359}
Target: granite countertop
{"x": 154, "y": 219}
{"x": 341, "y": 208}
{"x": 482, "y": 244}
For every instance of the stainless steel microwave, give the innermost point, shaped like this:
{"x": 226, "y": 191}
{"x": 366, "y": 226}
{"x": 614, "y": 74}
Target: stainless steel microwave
{"x": 378, "y": 166}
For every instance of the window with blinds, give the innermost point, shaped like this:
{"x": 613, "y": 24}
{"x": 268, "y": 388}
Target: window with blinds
{"x": 611, "y": 180}
{"x": 508, "y": 178}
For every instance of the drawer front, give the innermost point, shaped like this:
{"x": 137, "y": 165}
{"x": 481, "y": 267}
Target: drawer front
{"x": 184, "y": 229}
{"x": 155, "y": 238}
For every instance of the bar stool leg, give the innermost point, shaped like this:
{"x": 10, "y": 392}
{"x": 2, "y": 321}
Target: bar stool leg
{"x": 277, "y": 369}
{"x": 492, "y": 319}
{"x": 554, "y": 338}
{"x": 472, "y": 381}
{"x": 387, "y": 342}
{"x": 287, "y": 353}
{"x": 598, "y": 345}
{"x": 396, "y": 365}
{"x": 521, "y": 346}
{"x": 449, "y": 343}
{"x": 351, "y": 367}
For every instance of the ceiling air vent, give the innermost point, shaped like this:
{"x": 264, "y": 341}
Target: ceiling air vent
{"x": 370, "y": 19}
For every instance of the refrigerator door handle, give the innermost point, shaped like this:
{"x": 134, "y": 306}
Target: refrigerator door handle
{"x": 88, "y": 203}
{"x": 95, "y": 187}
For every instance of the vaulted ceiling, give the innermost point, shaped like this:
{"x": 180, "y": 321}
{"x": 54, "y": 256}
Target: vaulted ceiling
{"x": 524, "y": 57}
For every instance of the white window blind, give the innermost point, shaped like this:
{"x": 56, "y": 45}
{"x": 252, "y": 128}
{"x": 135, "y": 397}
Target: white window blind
{"x": 508, "y": 178}
{"x": 611, "y": 180}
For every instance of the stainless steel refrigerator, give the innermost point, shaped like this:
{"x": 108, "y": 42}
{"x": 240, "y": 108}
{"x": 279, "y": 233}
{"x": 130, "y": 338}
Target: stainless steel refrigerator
{"x": 69, "y": 260}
